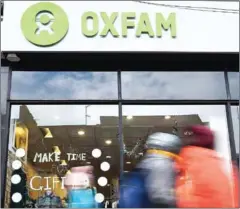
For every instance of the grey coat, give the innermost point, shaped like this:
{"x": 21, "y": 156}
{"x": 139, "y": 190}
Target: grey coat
{"x": 160, "y": 180}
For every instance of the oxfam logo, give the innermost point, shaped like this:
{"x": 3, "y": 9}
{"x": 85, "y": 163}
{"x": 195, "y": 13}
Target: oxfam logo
{"x": 44, "y": 24}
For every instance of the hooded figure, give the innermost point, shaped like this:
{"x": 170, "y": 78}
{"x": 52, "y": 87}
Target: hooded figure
{"x": 156, "y": 187}
{"x": 199, "y": 136}
{"x": 202, "y": 181}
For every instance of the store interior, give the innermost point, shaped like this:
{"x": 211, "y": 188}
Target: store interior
{"x": 75, "y": 145}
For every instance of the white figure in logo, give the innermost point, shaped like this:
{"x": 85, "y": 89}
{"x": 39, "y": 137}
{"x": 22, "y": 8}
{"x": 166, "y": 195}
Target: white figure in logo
{"x": 44, "y": 21}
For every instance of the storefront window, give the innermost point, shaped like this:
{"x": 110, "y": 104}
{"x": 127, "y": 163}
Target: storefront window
{"x": 173, "y": 85}
{"x": 63, "y": 85}
{"x": 234, "y": 84}
{"x": 141, "y": 121}
{"x": 54, "y": 149}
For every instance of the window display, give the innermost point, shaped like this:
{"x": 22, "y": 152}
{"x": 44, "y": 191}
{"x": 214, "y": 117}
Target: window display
{"x": 62, "y": 160}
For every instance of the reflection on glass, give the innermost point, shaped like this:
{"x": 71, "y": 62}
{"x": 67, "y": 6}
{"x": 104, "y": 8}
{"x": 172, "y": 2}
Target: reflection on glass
{"x": 234, "y": 84}
{"x": 64, "y": 85}
{"x": 235, "y": 118}
{"x": 54, "y": 153}
{"x": 147, "y": 120}
{"x": 3, "y": 95}
{"x": 3, "y": 87}
{"x": 173, "y": 85}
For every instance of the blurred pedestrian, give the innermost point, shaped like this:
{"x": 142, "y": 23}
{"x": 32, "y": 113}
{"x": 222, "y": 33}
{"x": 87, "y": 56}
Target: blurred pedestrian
{"x": 152, "y": 183}
{"x": 203, "y": 180}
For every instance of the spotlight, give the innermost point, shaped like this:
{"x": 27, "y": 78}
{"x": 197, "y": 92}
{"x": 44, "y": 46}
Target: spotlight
{"x": 129, "y": 117}
{"x": 81, "y": 133}
{"x": 108, "y": 142}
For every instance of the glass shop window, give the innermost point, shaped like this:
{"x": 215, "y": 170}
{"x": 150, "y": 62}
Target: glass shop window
{"x": 63, "y": 85}
{"x": 173, "y": 85}
{"x": 62, "y": 156}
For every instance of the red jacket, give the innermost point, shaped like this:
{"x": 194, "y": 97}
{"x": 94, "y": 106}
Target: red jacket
{"x": 204, "y": 182}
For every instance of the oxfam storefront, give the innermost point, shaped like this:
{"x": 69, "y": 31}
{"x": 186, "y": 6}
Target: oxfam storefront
{"x": 87, "y": 82}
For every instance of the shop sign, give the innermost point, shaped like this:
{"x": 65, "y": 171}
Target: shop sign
{"x": 117, "y": 26}
{"x": 45, "y": 24}
{"x": 55, "y": 157}
{"x": 50, "y": 180}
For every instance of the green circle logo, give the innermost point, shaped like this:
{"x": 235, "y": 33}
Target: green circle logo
{"x": 44, "y": 24}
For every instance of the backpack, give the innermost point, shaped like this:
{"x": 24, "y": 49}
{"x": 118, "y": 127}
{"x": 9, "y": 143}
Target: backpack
{"x": 133, "y": 192}
{"x": 203, "y": 181}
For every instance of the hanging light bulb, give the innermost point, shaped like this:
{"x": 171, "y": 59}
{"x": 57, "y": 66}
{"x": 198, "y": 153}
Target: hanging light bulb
{"x": 63, "y": 162}
{"x": 56, "y": 150}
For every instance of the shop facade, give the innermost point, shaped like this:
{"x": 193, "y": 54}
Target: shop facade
{"x": 85, "y": 83}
